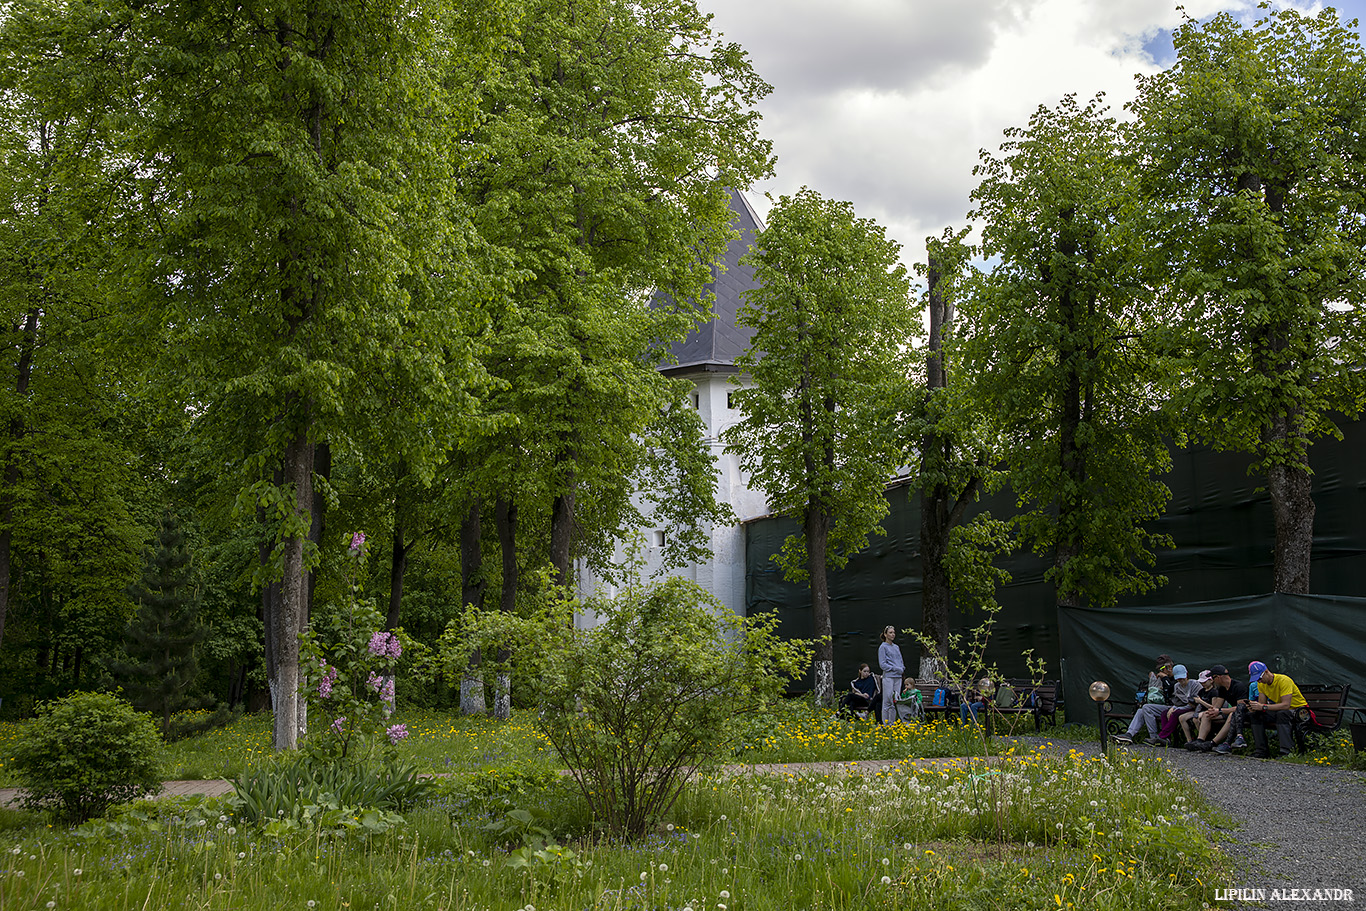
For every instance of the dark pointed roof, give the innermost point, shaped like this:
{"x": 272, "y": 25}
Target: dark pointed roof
{"x": 714, "y": 346}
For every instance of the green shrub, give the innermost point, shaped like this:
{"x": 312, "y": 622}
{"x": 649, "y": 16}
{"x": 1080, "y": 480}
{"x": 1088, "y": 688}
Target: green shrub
{"x": 85, "y": 753}
{"x": 635, "y": 706}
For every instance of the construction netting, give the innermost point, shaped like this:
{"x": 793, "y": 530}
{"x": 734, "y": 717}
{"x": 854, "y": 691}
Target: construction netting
{"x": 1217, "y": 573}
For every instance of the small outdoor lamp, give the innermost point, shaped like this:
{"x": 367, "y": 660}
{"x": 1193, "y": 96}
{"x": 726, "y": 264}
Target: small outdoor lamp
{"x": 1100, "y": 691}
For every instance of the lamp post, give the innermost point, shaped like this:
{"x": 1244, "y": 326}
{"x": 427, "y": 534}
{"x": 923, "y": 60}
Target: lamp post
{"x": 1100, "y": 691}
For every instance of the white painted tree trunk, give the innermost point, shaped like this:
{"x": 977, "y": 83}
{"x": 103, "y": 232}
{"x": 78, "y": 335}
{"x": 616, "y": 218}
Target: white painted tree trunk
{"x": 931, "y": 670}
{"x": 502, "y": 698}
{"x": 472, "y": 696}
{"x": 825, "y": 683}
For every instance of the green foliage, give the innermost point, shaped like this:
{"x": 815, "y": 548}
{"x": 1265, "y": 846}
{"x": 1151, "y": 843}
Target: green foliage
{"x": 161, "y": 640}
{"x": 1057, "y": 350}
{"x": 308, "y": 791}
{"x": 636, "y": 705}
{"x": 85, "y": 753}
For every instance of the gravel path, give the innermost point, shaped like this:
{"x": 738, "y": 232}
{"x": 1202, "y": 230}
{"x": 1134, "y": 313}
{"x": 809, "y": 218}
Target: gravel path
{"x": 1293, "y": 826}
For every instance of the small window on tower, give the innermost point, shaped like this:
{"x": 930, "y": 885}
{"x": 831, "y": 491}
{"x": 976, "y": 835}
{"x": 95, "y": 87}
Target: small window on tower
{"x": 659, "y": 536}
{"x": 696, "y": 400}
{"x": 730, "y": 400}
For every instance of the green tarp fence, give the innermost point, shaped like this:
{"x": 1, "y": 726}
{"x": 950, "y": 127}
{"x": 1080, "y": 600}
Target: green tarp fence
{"x": 1218, "y": 518}
{"x": 1311, "y": 638}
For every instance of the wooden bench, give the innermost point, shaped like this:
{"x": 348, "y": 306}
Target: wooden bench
{"x": 1037, "y": 699}
{"x": 1328, "y": 705}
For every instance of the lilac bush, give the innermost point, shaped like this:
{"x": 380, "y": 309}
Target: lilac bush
{"x": 350, "y": 662}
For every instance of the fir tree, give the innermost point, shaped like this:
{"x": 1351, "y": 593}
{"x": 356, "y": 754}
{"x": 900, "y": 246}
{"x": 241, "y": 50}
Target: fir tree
{"x": 161, "y": 639}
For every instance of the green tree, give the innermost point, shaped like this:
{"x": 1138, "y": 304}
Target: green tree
{"x": 830, "y": 364}
{"x": 1253, "y": 150}
{"x": 70, "y": 400}
{"x": 616, "y": 128}
{"x": 1057, "y": 349}
{"x": 313, "y": 256}
{"x": 162, "y": 639}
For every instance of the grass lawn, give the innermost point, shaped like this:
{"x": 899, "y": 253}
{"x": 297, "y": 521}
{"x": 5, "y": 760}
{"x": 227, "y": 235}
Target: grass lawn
{"x": 1033, "y": 831}
{"x": 1039, "y": 828}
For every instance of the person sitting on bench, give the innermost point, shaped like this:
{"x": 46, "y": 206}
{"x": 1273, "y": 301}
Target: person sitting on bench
{"x": 1278, "y": 698}
{"x": 863, "y": 692}
{"x": 1218, "y": 717}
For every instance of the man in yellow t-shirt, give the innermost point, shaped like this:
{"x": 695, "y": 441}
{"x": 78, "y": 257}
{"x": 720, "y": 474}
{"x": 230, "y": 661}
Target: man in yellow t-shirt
{"x": 1278, "y": 698}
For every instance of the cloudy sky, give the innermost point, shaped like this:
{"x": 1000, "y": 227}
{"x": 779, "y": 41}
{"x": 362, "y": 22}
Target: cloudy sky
{"x": 886, "y": 103}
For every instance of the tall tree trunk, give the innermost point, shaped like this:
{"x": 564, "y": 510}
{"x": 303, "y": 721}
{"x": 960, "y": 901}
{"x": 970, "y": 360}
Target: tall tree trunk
{"x": 505, "y": 516}
{"x": 561, "y": 537}
{"x": 293, "y": 594}
{"x": 322, "y": 468}
{"x": 472, "y": 586}
{"x": 270, "y": 605}
{"x": 1071, "y": 451}
{"x": 817, "y": 529}
{"x": 1292, "y": 506}
{"x": 24, "y": 371}
{"x": 397, "y": 567}
{"x": 935, "y": 452}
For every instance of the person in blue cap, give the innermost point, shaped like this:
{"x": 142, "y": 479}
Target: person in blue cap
{"x": 1278, "y": 698}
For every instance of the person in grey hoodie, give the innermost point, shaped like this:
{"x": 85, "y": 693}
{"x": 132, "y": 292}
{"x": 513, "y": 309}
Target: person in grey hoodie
{"x": 1183, "y": 701}
{"x": 893, "y": 669}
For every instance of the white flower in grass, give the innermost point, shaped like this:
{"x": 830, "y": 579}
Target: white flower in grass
{"x": 18, "y": 872}
{"x": 232, "y": 830}
{"x": 644, "y": 876}
{"x": 797, "y": 857}
{"x": 907, "y": 846}
{"x": 17, "y": 851}
{"x": 886, "y": 861}
{"x": 52, "y": 904}
{"x": 663, "y": 868}
{"x": 886, "y": 880}
{"x": 218, "y": 876}
{"x": 721, "y": 906}
{"x": 486, "y": 861}
{"x": 311, "y": 903}
{"x": 77, "y": 871}
{"x": 1094, "y": 804}
{"x": 241, "y": 855}
{"x": 725, "y": 894}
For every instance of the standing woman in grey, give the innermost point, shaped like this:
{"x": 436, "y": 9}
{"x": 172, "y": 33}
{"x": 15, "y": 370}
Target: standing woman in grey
{"x": 893, "y": 668}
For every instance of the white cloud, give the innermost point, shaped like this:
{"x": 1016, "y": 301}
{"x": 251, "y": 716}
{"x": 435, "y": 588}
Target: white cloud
{"x": 886, "y": 103}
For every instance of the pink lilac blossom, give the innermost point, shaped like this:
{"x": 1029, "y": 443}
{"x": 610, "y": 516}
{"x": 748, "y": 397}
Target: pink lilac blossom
{"x": 357, "y": 541}
{"x": 375, "y": 682}
{"x": 396, "y": 733}
{"x": 340, "y": 724}
{"x": 387, "y": 693}
{"x": 328, "y": 679}
{"x": 385, "y": 645}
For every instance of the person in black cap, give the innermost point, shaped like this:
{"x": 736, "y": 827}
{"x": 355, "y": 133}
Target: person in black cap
{"x": 1219, "y": 716}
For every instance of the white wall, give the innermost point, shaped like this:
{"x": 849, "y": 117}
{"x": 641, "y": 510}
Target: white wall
{"x": 724, "y": 574}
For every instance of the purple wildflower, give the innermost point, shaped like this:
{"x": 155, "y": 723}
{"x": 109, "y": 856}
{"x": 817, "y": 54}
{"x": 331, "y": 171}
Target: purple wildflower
{"x": 340, "y": 724}
{"x": 396, "y": 733}
{"x": 357, "y": 541}
{"x": 376, "y": 682}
